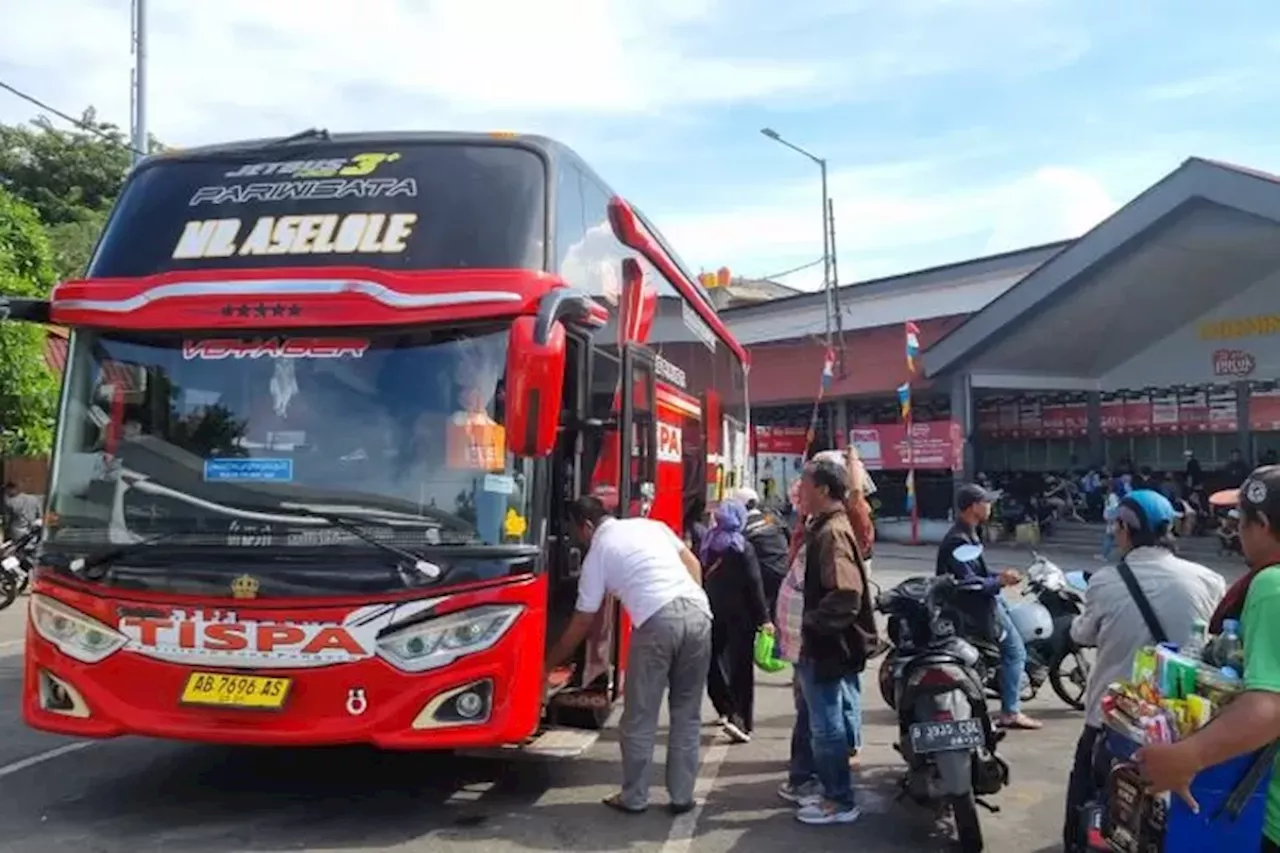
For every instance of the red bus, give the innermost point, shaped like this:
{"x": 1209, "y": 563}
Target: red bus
{"x": 324, "y": 400}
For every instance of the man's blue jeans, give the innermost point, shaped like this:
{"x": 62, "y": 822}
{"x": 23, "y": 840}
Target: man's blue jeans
{"x": 1013, "y": 659}
{"x": 800, "y": 770}
{"x": 821, "y": 722}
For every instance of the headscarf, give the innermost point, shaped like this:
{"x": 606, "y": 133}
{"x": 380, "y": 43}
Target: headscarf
{"x": 726, "y": 536}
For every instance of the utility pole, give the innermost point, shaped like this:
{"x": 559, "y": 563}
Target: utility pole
{"x": 826, "y": 248}
{"x": 139, "y": 81}
{"x": 835, "y": 279}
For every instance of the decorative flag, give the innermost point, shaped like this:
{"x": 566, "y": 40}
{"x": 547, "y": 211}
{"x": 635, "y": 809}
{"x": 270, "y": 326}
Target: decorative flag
{"x": 913, "y": 345}
{"x": 911, "y": 490}
{"x": 904, "y": 400}
{"x": 828, "y": 368}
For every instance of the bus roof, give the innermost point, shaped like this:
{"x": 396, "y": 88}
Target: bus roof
{"x": 552, "y": 150}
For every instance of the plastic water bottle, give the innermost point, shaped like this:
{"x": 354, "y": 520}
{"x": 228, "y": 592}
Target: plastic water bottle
{"x": 1194, "y": 648}
{"x": 1231, "y": 647}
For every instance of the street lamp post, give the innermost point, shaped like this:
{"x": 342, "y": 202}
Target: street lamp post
{"x": 826, "y": 229}
{"x": 139, "y": 130}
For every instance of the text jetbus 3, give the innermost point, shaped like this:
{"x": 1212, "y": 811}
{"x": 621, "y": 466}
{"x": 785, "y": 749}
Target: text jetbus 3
{"x": 324, "y": 401}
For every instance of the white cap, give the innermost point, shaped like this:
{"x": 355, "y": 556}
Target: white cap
{"x": 746, "y": 496}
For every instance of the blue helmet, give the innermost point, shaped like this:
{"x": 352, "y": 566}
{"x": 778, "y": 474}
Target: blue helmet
{"x": 1146, "y": 510}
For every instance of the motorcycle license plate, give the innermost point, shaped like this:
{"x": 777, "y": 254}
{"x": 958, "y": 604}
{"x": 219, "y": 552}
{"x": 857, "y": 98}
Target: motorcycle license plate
{"x": 236, "y": 691}
{"x": 944, "y": 735}
{"x": 11, "y": 563}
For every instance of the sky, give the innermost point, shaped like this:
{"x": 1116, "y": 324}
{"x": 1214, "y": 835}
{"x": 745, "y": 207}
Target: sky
{"x": 951, "y": 128}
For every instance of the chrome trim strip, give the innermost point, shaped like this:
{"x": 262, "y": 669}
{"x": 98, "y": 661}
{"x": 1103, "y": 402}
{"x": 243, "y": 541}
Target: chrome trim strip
{"x": 277, "y": 288}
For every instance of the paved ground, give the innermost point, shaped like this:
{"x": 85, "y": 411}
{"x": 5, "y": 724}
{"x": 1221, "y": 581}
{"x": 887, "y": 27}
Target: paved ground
{"x": 134, "y": 796}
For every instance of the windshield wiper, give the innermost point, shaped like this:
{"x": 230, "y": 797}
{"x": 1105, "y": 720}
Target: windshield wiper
{"x": 417, "y": 562}
{"x": 316, "y": 133}
{"x": 89, "y": 565}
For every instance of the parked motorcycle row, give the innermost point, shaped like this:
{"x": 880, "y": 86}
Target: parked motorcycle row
{"x": 17, "y": 560}
{"x": 944, "y": 663}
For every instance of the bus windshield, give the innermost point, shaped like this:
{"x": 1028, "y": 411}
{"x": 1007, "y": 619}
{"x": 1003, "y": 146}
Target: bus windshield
{"x": 418, "y": 206}
{"x": 251, "y": 441}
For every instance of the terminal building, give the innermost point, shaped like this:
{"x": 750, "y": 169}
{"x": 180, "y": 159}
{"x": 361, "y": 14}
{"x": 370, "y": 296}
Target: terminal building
{"x": 1155, "y": 334}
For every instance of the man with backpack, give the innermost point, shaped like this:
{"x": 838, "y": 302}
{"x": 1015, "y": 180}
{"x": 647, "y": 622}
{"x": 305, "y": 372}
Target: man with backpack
{"x": 1150, "y": 596}
{"x": 768, "y": 540}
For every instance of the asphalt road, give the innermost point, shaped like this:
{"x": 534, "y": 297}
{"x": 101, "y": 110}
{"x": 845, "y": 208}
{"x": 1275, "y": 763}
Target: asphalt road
{"x": 135, "y": 795}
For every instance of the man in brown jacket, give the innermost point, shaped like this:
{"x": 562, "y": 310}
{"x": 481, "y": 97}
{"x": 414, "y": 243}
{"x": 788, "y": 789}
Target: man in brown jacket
{"x": 837, "y": 635}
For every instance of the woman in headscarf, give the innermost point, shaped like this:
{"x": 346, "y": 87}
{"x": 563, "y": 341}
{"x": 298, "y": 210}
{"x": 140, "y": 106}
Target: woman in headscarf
{"x": 731, "y": 577}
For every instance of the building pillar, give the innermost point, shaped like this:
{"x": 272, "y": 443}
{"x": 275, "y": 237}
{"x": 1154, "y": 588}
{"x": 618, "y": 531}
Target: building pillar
{"x": 962, "y": 413}
{"x": 1244, "y": 435}
{"x": 1097, "y": 450}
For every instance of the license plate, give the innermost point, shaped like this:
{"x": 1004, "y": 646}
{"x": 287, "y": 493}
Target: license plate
{"x": 11, "y": 563}
{"x": 236, "y": 691}
{"x": 944, "y": 735}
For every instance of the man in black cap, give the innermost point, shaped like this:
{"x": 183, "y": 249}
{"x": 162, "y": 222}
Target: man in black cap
{"x": 973, "y": 508}
{"x": 1252, "y": 720}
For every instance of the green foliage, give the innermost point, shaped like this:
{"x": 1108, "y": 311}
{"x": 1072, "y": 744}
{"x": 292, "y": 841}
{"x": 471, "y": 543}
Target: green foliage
{"x": 74, "y": 242}
{"x": 64, "y": 174}
{"x": 28, "y": 389}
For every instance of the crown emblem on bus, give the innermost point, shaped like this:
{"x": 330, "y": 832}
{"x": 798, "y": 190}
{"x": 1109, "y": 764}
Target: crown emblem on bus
{"x": 245, "y": 586}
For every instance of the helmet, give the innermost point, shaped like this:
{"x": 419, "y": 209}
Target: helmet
{"x": 1146, "y": 510}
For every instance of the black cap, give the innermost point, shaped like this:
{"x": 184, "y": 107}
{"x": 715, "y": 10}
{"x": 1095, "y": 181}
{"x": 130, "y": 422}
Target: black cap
{"x": 1260, "y": 492}
{"x": 970, "y": 494}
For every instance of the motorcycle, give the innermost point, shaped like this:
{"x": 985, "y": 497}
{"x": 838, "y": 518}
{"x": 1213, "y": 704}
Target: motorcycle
{"x": 1053, "y": 598}
{"x": 946, "y": 736}
{"x": 17, "y": 561}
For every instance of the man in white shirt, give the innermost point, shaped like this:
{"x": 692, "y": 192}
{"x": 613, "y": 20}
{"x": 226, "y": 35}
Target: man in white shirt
{"x": 659, "y": 582}
{"x": 1178, "y": 593}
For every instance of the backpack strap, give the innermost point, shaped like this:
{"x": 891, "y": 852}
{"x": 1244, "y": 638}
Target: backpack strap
{"x": 1140, "y": 599}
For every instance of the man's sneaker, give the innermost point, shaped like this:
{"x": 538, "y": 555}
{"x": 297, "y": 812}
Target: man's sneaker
{"x": 736, "y": 732}
{"x": 823, "y": 812}
{"x": 807, "y": 794}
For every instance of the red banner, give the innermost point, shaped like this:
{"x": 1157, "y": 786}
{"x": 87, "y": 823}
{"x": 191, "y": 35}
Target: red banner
{"x": 1164, "y": 414}
{"x": 1137, "y": 415}
{"x": 1053, "y": 418}
{"x": 1223, "y": 415}
{"x": 1077, "y": 418}
{"x": 1009, "y": 420}
{"x": 934, "y": 445}
{"x": 1112, "y": 416}
{"x": 780, "y": 439}
{"x": 1264, "y": 411}
{"x": 1193, "y": 412}
{"x": 988, "y": 419}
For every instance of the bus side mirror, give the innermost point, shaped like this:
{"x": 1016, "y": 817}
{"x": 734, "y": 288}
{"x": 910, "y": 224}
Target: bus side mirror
{"x": 24, "y": 310}
{"x": 535, "y": 386}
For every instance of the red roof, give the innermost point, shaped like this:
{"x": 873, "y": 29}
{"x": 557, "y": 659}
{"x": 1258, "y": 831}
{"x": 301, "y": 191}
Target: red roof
{"x": 875, "y": 362}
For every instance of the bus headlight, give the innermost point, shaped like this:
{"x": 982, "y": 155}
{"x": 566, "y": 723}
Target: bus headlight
{"x": 75, "y": 634}
{"x": 439, "y": 642}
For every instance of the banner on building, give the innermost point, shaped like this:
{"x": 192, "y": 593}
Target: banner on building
{"x": 937, "y": 445}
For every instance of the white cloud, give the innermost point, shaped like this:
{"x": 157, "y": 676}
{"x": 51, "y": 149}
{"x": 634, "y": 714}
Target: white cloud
{"x": 893, "y": 219}
{"x": 240, "y": 67}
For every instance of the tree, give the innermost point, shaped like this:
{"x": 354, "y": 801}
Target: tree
{"x": 28, "y": 390}
{"x": 64, "y": 173}
{"x": 70, "y": 177}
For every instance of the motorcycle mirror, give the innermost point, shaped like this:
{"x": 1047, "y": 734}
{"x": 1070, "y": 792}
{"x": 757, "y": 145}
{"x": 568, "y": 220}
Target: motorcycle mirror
{"x": 1077, "y": 581}
{"x": 967, "y": 553}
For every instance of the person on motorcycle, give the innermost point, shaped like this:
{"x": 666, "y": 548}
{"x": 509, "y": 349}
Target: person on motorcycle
{"x": 1177, "y": 591}
{"x": 21, "y": 511}
{"x": 973, "y": 508}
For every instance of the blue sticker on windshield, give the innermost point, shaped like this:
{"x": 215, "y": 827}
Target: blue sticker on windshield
{"x": 249, "y": 470}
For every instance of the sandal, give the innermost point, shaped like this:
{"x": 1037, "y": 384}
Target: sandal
{"x": 615, "y": 802}
{"x": 1020, "y": 722}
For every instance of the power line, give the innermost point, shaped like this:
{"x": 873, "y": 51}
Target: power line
{"x": 800, "y": 268}
{"x": 80, "y": 123}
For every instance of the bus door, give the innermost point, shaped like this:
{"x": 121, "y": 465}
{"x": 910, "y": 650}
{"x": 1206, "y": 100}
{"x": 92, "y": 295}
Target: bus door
{"x": 640, "y": 455}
